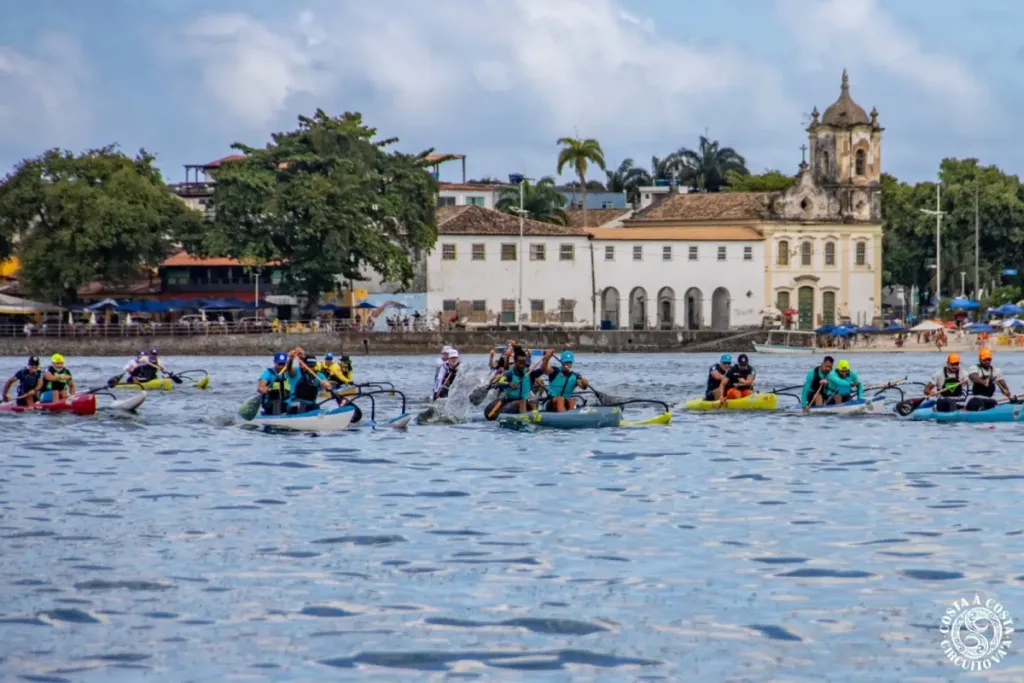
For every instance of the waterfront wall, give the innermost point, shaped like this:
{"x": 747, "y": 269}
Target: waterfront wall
{"x": 355, "y": 343}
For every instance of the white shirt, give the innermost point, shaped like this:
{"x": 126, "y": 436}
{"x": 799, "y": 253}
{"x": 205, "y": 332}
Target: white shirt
{"x": 939, "y": 380}
{"x": 992, "y": 373}
{"x": 135, "y": 363}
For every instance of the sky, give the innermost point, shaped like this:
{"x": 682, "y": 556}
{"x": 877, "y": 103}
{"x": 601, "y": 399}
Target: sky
{"x": 501, "y": 80}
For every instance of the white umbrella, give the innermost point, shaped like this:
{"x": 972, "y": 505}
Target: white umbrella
{"x": 927, "y": 326}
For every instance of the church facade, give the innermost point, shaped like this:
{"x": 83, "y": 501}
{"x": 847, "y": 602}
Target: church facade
{"x": 822, "y": 237}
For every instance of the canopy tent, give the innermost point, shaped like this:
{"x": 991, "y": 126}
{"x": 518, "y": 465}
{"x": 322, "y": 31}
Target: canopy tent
{"x": 1012, "y": 323}
{"x": 963, "y": 304}
{"x": 334, "y": 308}
{"x": 843, "y": 332}
{"x": 927, "y": 326}
{"x": 13, "y": 305}
{"x": 100, "y": 305}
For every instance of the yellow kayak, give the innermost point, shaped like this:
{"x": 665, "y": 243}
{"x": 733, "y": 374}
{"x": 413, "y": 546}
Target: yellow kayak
{"x": 158, "y": 384}
{"x": 752, "y": 402}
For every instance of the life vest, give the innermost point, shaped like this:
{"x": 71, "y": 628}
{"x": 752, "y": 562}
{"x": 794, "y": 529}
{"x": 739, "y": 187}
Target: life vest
{"x": 712, "y": 382}
{"x": 736, "y": 373}
{"x": 818, "y": 380}
{"x": 307, "y": 389}
{"x": 27, "y": 381}
{"x": 522, "y": 391}
{"x": 60, "y": 384}
{"x": 144, "y": 373}
{"x": 979, "y": 389}
{"x": 951, "y": 386}
{"x": 278, "y": 392}
{"x": 561, "y": 384}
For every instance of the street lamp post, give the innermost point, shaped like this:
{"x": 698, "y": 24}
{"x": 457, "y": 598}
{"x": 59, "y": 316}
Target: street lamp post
{"x": 938, "y": 213}
{"x": 963, "y": 284}
{"x": 519, "y": 179}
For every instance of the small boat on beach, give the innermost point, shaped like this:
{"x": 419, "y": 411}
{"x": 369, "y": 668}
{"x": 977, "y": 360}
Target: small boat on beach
{"x": 789, "y": 342}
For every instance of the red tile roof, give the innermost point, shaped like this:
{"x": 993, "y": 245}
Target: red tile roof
{"x": 217, "y": 162}
{"x": 476, "y": 220}
{"x": 596, "y": 217}
{"x": 183, "y": 259}
{"x": 710, "y": 206}
{"x": 468, "y": 187}
{"x": 438, "y": 158}
{"x": 723, "y": 233}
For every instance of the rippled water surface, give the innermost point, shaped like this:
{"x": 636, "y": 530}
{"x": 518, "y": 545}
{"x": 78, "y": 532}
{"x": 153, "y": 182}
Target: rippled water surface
{"x": 174, "y": 545}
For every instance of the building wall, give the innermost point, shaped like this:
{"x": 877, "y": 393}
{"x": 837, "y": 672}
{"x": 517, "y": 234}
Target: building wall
{"x": 492, "y": 280}
{"x": 857, "y": 289}
{"x": 596, "y": 200}
{"x": 690, "y": 287}
{"x": 463, "y": 196}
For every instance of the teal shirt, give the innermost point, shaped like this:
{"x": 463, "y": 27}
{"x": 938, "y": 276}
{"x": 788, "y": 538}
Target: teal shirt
{"x": 844, "y": 386}
{"x": 808, "y": 392}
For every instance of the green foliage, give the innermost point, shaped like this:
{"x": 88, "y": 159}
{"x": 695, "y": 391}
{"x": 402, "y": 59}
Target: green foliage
{"x": 328, "y": 199}
{"x": 1007, "y": 294}
{"x": 542, "y": 201}
{"x": 629, "y": 179}
{"x": 768, "y": 181}
{"x": 705, "y": 168}
{"x": 579, "y": 154}
{"x": 100, "y": 215}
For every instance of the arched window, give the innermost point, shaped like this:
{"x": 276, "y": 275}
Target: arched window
{"x": 783, "y": 256}
{"x": 861, "y": 254}
{"x": 805, "y": 254}
{"x": 830, "y": 253}
{"x": 860, "y": 162}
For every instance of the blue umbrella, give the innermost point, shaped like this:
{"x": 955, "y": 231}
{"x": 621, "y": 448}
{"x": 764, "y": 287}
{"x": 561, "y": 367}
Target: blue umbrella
{"x": 842, "y": 332}
{"x": 106, "y": 303}
{"x": 131, "y": 306}
{"x": 894, "y": 329}
{"x": 1007, "y": 309}
{"x": 215, "y": 305}
{"x": 961, "y": 304}
{"x": 824, "y": 329}
{"x": 333, "y": 308}
{"x": 366, "y": 305}
{"x": 868, "y": 329}
{"x": 978, "y": 328}
{"x": 155, "y": 307}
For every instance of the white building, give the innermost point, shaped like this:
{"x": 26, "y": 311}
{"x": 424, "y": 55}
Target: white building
{"x": 468, "y": 194}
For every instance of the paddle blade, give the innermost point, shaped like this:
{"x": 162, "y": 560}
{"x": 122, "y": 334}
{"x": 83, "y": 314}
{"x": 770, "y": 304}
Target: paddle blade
{"x": 176, "y": 379}
{"x": 477, "y": 396}
{"x": 605, "y": 399}
{"x": 492, "y": 410}
{"x": 203, "y": 383}
{"x": 904, "y": 408}
{"x": 251, "y": 408}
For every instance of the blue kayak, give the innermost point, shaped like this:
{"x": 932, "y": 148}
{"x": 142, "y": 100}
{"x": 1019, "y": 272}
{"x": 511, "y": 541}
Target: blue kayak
{"x": 1004, "y": 412}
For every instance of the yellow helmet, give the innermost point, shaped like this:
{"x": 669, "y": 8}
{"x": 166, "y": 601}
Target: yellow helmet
{"x": 843, "y": 365}
{"x": 56, "y": 358}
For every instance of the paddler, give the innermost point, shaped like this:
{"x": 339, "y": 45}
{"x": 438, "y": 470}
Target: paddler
{"x": 333, "y": 371}
{"x": 517, "y": 383}
{"x": 948, "y": 386}
{"x": 305, "y": 383}
{"x": 273, "y": 386}
{"x": 501, "y": 360}
{"x": 717, "y": 380}
{"x": 815, "y": 391}
{"x": 154, "y": 362}
{"x": 30, "y": 383}
{"x": 131, "y": 369}
{"x": 446, "y": 375}
{"x": 740, "y": 378}
{"x": 985, "y": 377}
{"x": 562, "y": 382}
{"x": 843, "y": 384}
{"x": 57, "y": 381}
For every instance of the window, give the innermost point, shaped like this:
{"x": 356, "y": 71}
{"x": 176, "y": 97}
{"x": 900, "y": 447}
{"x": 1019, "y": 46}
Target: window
{"x": 508, "y": 252}
{"x": 447, "y": 252}
{"x": 609, "y": 253}
{"x": 448, "y": 305}
{"x": 693, "y": 253}
{"x": 830, "y": 253}
{"x": 479, "y": 252}
{"x": 860, "y": 162}
{"x": 446, "y": 201}
{"x": 607, "y": 205}
{"x": 474, "y": 201}
{"x": 479, "y": 311}
{"x": 782, "y": 301}
{"x": 828, "y": 308}
{"x": 566, "y": 310}
{"x": 508, "y": 310}
{"x": 537, "y": 252}
{"x": 638, "y": 253}
{"x": 748, "y": 253}
{"x": 566, "y": 252}
{"x": 721, "y": 253}
{"x": 783, "y": 256}
{"x": 861, "y": 258}
{"x": 666, "y": 253}
{"x": 536, "y": 310}
{"x": 805, "y": 254}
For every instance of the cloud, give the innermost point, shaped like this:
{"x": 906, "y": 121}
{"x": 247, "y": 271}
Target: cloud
{"x": 861, "y": 32}
{"x": 43, "y": 94}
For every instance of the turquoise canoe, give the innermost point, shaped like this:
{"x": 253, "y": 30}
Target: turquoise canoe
{"x": 1004, "y": 412}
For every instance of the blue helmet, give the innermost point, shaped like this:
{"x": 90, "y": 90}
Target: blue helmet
{"x": 567, "y": 357}
{"x": 328, "y": 356}
{"x": 280, "y": 358}
{"x": 726, "y": 358}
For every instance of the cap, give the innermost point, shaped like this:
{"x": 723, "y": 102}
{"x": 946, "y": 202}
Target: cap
{"x": 567, "y": 357}
{"x": 725, "y": 358}
{"x": 346, "y": 359}
{"x": 328, "y": 356}
{"x": 280, "y": 358}
{"x": 56, "y": 358}
{"x": 454, "y": 353}
{"x": 154, "y": 352}
{"x": 310, "y": 358}
{"x": 953, "y": 358}
{"x": 843, "y": 365}
{"x": 742, "y": 358}
{"x": 985, "y": 354}
{"x": 446, "y": 349}
{"x": 33, "y": 360}
{"x": 141, "y": 352}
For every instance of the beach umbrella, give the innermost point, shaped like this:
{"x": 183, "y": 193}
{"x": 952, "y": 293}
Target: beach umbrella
{"x": 978, "y": 328}
{"x": 894, "y": 329}
{"x": 332, "y": 308}
{"x": 963, "y": 304}
{"x": 842, "y": 332}
{"x": 868, "y": 329}
{"x": 1007, "y": 309}
{"x": 366, "y": 306}
{"x": 106, "y": 303}
{"x": 926, "y": 326}
{"x": 824, "y": 329}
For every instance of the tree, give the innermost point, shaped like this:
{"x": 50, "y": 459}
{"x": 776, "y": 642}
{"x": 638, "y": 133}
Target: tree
{"x": 486, "y": 180}
{"x": 329, "y": 200}
{"x": 629, "y": 179}
{"x": 100, "y": 215}
{"x": 542, "y": 202}
{"x": 705, "y": 168}
{"x": 768, "y": 181}
{"x": 592, "y": 186}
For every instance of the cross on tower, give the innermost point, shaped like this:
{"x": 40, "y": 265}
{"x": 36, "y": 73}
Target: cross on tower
{"x": 803, "y": 154}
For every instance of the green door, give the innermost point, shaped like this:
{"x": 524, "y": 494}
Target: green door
{"x": 828, "y": 308}
{"x": 805, "y": 306}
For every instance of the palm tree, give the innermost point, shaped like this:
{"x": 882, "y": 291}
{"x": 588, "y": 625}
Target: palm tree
{"x": 629, "y": 179}
{"x": 542, "y": 201}
{"x": 705, "y": 168}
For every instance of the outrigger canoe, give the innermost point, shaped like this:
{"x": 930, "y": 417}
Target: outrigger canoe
{"x": 872, "y": 405}
{"x": 166, "y": 383}
{"x": 1004, "y": 412}
{"x": 752, "y": 402}
{"x": 82, "y": 404}
{"x": 581, "y": 418}
{"x": 333, "y": 420}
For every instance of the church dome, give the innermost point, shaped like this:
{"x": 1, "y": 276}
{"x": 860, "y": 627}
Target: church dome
{"x": 844, "y": 112}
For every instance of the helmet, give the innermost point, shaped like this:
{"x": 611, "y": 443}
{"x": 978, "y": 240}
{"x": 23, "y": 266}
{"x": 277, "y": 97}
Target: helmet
{"x": 154, "y": 353}
{"x": 140, "y": 353}
{"x": 346, "y": 359}
{"x": 726, "y": 358}
{"x": 56, "y": 358}
{"x": 567, "y": 357}
{"x": 280, "y": 358}
{"x": 953, "y": 358}
{"x": 742, "y": 359}
{"x": 985, "y": 354}
{"x": 33, "y": 360}
{"x": 843, "y": 365}
{"x": 328, "y": 356}
{"x": 309, "y": 359}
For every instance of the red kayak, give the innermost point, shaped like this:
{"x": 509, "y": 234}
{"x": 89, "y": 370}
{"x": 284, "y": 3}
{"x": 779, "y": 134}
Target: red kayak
{"x": 83, "y": 404}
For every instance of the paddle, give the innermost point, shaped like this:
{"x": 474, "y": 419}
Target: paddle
{"x": 907, "y": 406}
{"x": 340, "y": 400}
{"x": 477, "y": 396}
{"x": 251, "y": 408}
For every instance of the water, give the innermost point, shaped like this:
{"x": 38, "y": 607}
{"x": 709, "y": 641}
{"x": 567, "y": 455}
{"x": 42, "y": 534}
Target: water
{"x": 745, "y": 547}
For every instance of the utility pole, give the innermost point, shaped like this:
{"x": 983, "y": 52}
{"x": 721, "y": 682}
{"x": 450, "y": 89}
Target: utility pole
{"x": 977, "y": 230}
{"x": 521, "y": 180}
{"x": 938, "y": 213}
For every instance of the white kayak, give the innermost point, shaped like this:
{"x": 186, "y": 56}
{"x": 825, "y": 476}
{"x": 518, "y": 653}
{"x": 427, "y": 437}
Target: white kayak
{"x": 861, "y": 406}
{"x": 129, "y": 404}
{"x": 333, "y": 420}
